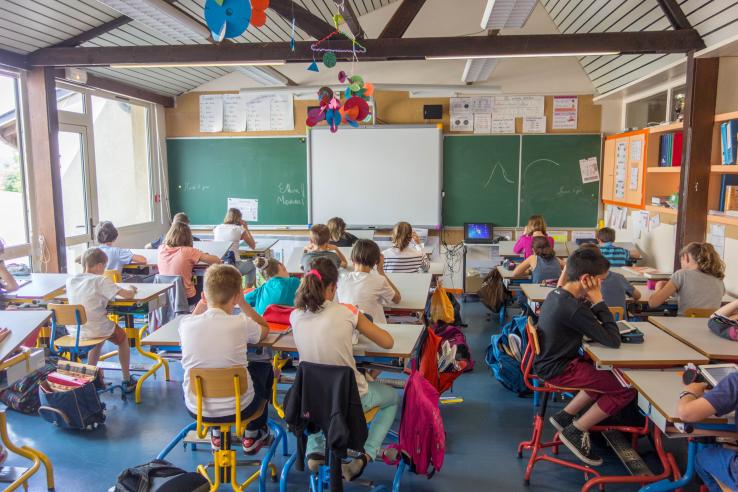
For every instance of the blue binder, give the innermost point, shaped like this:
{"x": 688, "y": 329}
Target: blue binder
{"x": 664, "y": 151}
{"x": 728, "y": 142}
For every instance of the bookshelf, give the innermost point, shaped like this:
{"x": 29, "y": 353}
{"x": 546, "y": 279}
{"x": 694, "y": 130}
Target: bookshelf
{"x": 667, "y": 170}
{"x": 665, "y": 128}
{"x": 720, "y": 169}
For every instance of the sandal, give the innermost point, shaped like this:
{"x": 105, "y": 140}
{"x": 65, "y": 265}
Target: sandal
{"x": 354, "y": 469}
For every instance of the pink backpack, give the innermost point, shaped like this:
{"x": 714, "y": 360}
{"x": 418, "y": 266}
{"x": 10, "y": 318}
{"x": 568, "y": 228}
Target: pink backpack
{"x": 422, "y": 436}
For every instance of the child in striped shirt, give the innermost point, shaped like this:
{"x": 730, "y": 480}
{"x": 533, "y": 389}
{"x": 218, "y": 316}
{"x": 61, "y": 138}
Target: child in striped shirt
{"x": 406, "y": 255}
{"x": 616, "y": 255}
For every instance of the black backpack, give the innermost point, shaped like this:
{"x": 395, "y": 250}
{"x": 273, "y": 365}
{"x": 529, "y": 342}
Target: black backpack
{"x": 160, "y": 476}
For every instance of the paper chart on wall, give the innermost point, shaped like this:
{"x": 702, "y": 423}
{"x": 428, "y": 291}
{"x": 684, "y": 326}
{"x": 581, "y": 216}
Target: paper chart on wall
{"x": 633, "y": 186}
{"x": 462, "y": 123}
{"x": 506, "y": 125}
{"x": 564, "y": 113}
{"x": 211, "y": 113}
{"x": 517, "y": 106}
{"x": 268, "y": 111}
{"x": 641, "y": 223}
{"x": 482, "y": 123}
{"x": 249, "y": 207}
{"x": 481, "y": 104}
{"x": 621, "y": 157}
{"x": 234, "y": 113}
{"x": 461, "y": 105}
{"x": 589, "y": 170}
{"x": 534, "y": 124}
{"x": 636, "y": 150}
{"x": 716, "y": 236}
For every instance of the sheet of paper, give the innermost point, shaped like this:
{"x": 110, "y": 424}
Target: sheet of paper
{"x": 234, "y": 113}
{"x": 517, "y": 106}
{"x": 462, "y": 123}
{"x": 633, "y": 179}
{"x": 564, "y": 113}
{"x": 559, "y": 236}
{"x": 281, "y": 116}
{"x": 268, "y": 111}
{"x": 249, "y": 207}
{"x": 506, "y": 125}
{"x": 636, "y": 150}
{"x": 258, "y": 113}
{"x": 641, "y": 223}
{"x": 716, "y": 236}
{"x": 534, "y": 124}
{"x": 211, "y": 113}
{"x": 589, "y": 170}
{"x": 582, "y": 234}
{"x": 481, "y": 104}
{"x": 482, "y": 123}
{"x": 461, "y": 105}
{"x": 621, "y": 170}
{"x": 655, "y": 221}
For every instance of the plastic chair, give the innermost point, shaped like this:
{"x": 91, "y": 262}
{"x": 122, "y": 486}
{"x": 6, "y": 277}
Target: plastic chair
{"x": 618, "y": 313}
{"x": 69, "y": 346}
{"x": 224, "y": 383}
{"x": 698, "y": 313}
{"x": 113, "y": 275}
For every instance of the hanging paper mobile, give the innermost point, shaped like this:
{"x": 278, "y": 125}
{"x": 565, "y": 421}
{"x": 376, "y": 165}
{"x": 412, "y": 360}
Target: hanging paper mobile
{"x": 354, "y": 110}
{"x": 231, "y": 18}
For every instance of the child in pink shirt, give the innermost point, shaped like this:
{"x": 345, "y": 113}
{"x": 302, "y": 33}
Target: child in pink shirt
{"x": 536, "y": 227}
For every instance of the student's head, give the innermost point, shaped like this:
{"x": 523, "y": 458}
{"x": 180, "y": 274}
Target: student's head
{"x": 94, "y": 260}
{"x": 536, "y": 224}
{"x": 233, "y": 216}
{"x": 542, "y": 248}
{"x": 178, "y": 235}
{"x": 320, "y": 235}
{"x": 317, "y": 285}
{"x": 106, "y": 232}
{"x": 402, "y": 234}
{"x": 592, "y": 246}
{"x": 365, "y": 252}
{"x": 606, "y": 235}
{"x": 269, "y": 267}
{"x": 180, "y": 217}
{"x": 586, "y": 262}
{"x": 222, "y": 285}
{"x": 703, "y": 257}
{"x": 336, "y": 227}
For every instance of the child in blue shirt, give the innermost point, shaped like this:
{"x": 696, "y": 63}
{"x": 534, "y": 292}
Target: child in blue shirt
{"x": 617, "y": 256}
{"x": 117, "y": 257}
{"x": 279, "y": 288}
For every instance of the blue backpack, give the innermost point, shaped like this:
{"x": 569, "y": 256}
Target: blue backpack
{"x": 506, "y": 367}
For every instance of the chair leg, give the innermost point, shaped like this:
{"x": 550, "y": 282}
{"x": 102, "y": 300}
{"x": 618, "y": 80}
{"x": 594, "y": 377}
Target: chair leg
{"x": 285, "y": 471}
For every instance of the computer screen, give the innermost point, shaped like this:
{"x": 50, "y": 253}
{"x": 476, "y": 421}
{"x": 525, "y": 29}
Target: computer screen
{"x": 479, "y": 232}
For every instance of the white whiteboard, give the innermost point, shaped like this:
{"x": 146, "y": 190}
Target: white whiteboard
{"x": 376, "y": 176}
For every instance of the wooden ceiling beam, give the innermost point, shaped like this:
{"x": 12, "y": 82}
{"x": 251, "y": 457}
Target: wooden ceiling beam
{"x": 91, "y": 34}
{"x": 349, "y": 15}
{"x": 402, "y": 18}
{"x": 304, "y": 19}
{"x": 377, "y": 49}
{"x": 120, "y": 88}
{"x": 675, "y": 14}
{"x": 13, "y": 60}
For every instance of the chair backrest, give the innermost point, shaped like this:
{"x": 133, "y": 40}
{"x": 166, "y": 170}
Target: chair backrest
{"x": 532, "y": 331}
{"x": 618, "y": 313}
{"x": 66, "y": 314}
{"x": 219, "y": 383}
{"x": 113, "y": 275}
{"x": 698, "y": 313}
{"x": 531, "y": 350}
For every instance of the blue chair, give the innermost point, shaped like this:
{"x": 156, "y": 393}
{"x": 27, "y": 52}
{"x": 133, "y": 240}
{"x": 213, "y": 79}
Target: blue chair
{"x": 70, "y": 347}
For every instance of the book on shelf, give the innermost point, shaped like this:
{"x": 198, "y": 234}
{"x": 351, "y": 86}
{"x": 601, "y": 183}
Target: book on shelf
{"x": 728, "y": 146}
{"x": 670, "y": 150}
{"x": 731, "y": 198}
{"x": 663, "y": 201}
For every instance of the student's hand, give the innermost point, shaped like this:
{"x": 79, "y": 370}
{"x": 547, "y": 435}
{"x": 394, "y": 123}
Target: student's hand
{"x": 593, "y": 289}
{"x": 697, "y": 388}
{"x": 133, "y": 289}
{"x": 4, "y": 333}
{"x": 380, "y": 265}
{"x": 310, "y": 248}
{"x": 415, "y": 237}
{"x": 660, "y": 284}
{"x": 244, "y": 224}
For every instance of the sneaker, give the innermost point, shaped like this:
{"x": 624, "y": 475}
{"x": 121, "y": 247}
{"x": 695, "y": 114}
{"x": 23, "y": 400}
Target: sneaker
{"x": 315, "y": 461}
{"x": 253, "y": 441}
{"x": 354, "y": 468}
{"x": 579, "y": 443}
{"x": 215, "y": 439}
{"x": 561, "y": 420}
{"x": 130, "y": 385}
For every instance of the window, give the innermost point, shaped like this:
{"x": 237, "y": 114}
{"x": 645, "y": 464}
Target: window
{"x": 122, "y": 161}
{"x": 71, "y": 101}
{"x": 13, "y": 225}
{"x": 648, "y": 111}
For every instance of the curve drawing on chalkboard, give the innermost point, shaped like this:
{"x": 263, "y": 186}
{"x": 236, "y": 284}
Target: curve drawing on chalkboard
{"x": 492, "y": 174}
{"x": 525, "y": 172}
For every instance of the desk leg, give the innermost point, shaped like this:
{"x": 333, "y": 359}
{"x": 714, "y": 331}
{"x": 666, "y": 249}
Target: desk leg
{"x": 29, "y": 453}
{"x": 667, "y": 485}
{"x": 159, "y": 362}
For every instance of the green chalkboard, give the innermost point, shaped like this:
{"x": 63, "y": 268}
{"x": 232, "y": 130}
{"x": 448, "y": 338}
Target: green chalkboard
{"x": 480, "y": 179}
{"x": 205, "y": 172}
{"x": 551, "y": 179}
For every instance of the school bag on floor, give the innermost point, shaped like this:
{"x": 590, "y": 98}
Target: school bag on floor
{"x": 443, "y": 306}
{"x": 422, "y": 438}
{"x": 23, "y": 396}
{"x": 159, "y": 476}
{"x": 505, "y": 353}
{"x": 69, "y": 397}
{"x": 493, "y": 293}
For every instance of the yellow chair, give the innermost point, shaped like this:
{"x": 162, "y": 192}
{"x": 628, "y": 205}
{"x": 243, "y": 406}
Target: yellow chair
{"x": 113, "y": 275}
{"x": 71, "y": 347}
{"x": 618, "y": 313}
{"x": 698, "y": 313}
{"x": 278, "y": 363}
{"x": 224, "y": 383}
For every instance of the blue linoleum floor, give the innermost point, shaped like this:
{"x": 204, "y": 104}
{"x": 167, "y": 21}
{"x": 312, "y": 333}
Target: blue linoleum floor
{"x": 482, "y": 435}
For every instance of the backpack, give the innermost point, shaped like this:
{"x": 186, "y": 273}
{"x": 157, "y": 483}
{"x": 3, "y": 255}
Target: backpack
{"x": 454, "y": 303}
{"x": 422, "y": 438}
{"x": 493, "y": 292}
{"x": 160, "y": 476}
{"x": 22, "y": 396}
{"x": 456, "y": 338}
{"x": 79, "y": 408}
{"x": 431, "y": 343}
{"x": 504, "y": 356}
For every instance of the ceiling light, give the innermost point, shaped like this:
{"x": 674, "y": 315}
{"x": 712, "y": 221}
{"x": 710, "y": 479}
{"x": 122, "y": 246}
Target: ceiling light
{"x": 499, "y": 14}
{"x": 519, "y": 55}
{"x": 162, "y": 17}
{"x": 266, "y": 76}
{"x": 197, "y": 64}
{"x": 478, "y": 70}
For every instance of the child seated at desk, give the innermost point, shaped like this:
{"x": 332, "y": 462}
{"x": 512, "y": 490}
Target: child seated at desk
{"x": 323, "y": 332}
{"x": 117, "y": 257}
{"x": 93, "y": 291}
{"x": 279, "y": 287}
{"x": 536, "y": 227}
{"x": 320, "y": 247}
{"x": 713, "y": 463}
{"x": 178, "y": 257}
{"x": 339, "y": 236}
{"x": 214, "y": 338}
{"x": 572, "y": 311}
{"x": 724, "y": 328}
{"x": 178, "y": 217}
{"x": 406, "y": 255}
{"x": 698, "y": 284}
{"x": 233, "y": 230}
{"x": 543, "y": 264}
{"x": 368, "y": 291}
{"x": 616, "y": 255}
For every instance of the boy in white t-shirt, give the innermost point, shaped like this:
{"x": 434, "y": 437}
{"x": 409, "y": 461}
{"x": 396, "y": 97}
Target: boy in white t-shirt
{"x": 363, "y": 288}
{"x": 212, "y": 337}
{"x": 93, "y": 291}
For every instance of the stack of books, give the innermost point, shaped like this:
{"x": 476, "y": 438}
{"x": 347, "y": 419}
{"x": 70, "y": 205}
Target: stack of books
{"x": 670, "y": 152}
{"x": 728, "y": 145}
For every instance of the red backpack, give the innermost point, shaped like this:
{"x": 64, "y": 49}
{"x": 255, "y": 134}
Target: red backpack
{"x": 422, "y": 443}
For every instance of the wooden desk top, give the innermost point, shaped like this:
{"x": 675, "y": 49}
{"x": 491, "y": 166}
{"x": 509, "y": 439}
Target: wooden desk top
{"x": 42, "y": 286}
{"x": 262, "y": 246}
{"x": 536, "y": 292}
{"x": 413, "y": 287}
{"x": 506, "y": 249}
{"x": 168, "y": 336}
{"x": 145, "y": 293}
{"x": 629, "y": 275}
{"x": 659, "y": 349}
{"x": 405, "y": 336}
{"x": 508, "y": 274}
{"x": 21, "y": 322}
{"x": 695, "y": 333}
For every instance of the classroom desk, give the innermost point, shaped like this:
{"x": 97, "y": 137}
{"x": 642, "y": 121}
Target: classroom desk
{"x": 695, "y": 333}
{"x": 406, "y": 338}
{"x": 508, "y": 274}
{"x": 294, "y": 267}
{"x": 436, "y": 267}
{"x": 21, "y": 322}
{"x": 413, "y": 287}
{"x": 215, "y": 248}
{"x": 506, "y": 250}
{"x": 658, "y": 350}
{"x": 653, "y": 274}
{"x": 43, "y": 287}
{"x": 168, "y": 336}
{"x": 536, "y": 292}
{"x": 262, "y": 246}
{"x": 362, "y": 233}
{"x": 630, "y": 276}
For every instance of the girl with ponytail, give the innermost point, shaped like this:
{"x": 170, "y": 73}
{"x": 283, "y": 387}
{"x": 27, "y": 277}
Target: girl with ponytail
{"x": 323, "y": 333}
{"x": 698, "y": 284}
{"x": 279, "y": 287}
